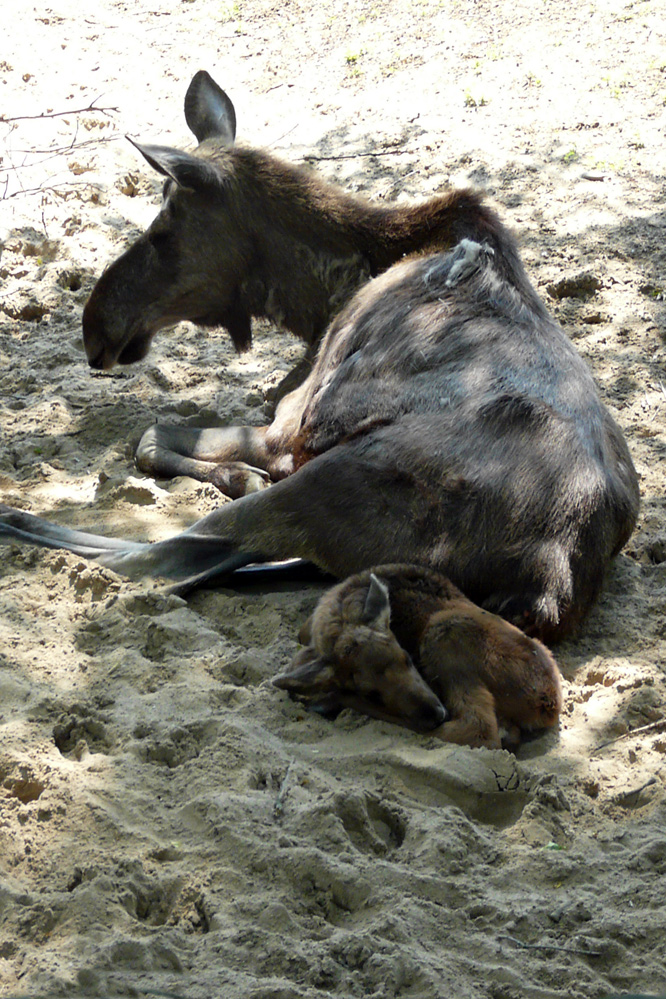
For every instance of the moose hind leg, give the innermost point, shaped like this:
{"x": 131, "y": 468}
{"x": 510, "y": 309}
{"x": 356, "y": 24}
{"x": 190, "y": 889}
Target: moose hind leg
{"x": 542, "y": 599}
{"x": 17, "y": 525}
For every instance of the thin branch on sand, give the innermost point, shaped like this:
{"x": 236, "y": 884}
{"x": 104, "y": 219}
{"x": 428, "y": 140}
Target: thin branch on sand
{"x": 658, "y": 726}
{"x": 356, "y": 156}
{"x": 566, "y": 950}
{"x": 59, "y": 114}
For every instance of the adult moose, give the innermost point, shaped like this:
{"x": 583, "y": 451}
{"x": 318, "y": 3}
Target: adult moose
{"x": 242, "y": 234}
{"x": 447, "y": 422}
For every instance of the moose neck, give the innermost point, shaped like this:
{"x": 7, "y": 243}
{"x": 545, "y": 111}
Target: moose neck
{"x": 393, "y": 231}
{"x": 437, "y": 225}
{"x": 316, "y": 244}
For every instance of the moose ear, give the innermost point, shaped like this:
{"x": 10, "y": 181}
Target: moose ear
{"x": 209, "y": 112}
{"x": 309, "y": 676}
{"x": 186, "y": 170}
{"x": 377, "y": 609}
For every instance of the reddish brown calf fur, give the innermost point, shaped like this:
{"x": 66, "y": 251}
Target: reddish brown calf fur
{"x": 376, "y": 637}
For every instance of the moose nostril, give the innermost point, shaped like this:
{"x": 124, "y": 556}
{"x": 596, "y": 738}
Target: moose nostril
{"x": 440, "y": 715}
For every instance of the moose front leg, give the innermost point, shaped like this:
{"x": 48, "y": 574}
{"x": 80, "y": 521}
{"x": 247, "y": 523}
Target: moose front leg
{"x": 234, "y": 459}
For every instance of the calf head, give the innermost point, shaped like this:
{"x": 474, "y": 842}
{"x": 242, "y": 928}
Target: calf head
{"x": 355, "y": 661}
{"x": 191, "y": 261}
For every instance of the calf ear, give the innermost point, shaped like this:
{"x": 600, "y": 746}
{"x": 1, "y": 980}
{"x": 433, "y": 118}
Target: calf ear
{"x": 186, "y": 170}
{"x": 305, "y": 634}
{"x": 377, "y": 609}
{"x": 209, "y": 112}
{"x": 309, "y": 676}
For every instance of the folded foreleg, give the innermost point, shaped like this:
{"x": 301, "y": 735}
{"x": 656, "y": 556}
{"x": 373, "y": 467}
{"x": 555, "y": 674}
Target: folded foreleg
{"x": 233, "y": 458}
{"x": 474, "y": 722}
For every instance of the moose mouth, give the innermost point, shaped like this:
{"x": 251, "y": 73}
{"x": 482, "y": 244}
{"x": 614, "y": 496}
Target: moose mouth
{"x": 136, "y": 349}
{"x": 105, "y": 357}
{"x": 102, "y": 356}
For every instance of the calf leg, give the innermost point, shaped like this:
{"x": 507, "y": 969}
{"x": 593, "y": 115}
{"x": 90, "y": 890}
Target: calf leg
{"x": 473, "y": 722}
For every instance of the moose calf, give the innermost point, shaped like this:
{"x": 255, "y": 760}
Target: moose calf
{"x": 401, "y": 643}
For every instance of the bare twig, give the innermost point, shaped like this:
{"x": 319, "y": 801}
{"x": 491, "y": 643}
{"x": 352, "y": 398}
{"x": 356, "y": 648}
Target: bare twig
{"x": 55, "y": 151}
{"x": 283, "y": 136}
{"x": 356, "y": 156}
{"x": 278, "y": 807}
{"x": 159, "y": 992}
{"x": 625, "y": 797}
{"x": 566, "y": 950}
{"x": 54, "y": 188}
{"x": 657, "y": 726}
{"x": 4, "y": 119}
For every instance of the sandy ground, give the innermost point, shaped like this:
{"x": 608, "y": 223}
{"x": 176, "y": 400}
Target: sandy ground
{"x": 168, "y": 820}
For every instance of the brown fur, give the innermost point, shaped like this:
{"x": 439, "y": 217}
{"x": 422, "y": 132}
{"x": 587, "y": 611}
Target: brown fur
{"x": 487, "y": 674}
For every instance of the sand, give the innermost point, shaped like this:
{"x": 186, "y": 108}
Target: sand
{"x": 168, "y": 819}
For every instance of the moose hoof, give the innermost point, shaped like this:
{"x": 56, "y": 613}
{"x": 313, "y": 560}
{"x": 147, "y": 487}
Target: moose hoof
{"x": 236, "y": 479}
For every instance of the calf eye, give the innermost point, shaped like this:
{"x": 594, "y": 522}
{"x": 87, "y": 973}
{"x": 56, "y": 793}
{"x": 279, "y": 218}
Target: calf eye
{"x": 373, "y": 697}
